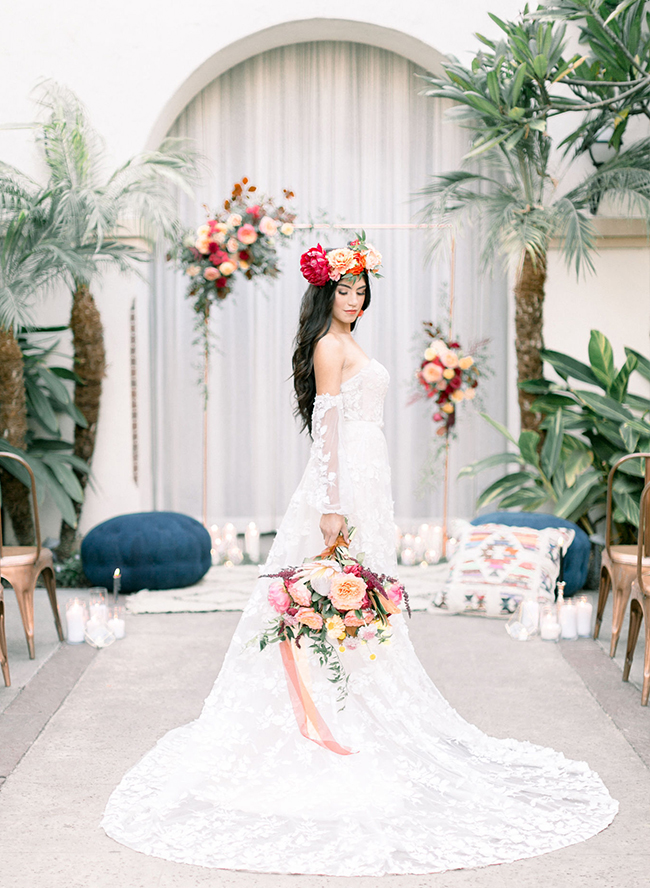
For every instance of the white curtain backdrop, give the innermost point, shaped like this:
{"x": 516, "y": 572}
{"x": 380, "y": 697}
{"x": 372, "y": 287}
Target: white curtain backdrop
{"x": 343, "y": 126}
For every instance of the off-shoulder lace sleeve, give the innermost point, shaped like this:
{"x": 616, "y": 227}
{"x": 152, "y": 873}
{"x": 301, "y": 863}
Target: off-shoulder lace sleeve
{"x": 329, "y": 490}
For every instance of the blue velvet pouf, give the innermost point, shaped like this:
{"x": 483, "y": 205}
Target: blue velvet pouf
{"x": 576, "y": 560}
{"x": 154, "y": 550}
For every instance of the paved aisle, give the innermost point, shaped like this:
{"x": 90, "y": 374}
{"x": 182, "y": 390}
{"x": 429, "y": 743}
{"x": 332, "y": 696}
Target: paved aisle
{"x": 157, "y": 678}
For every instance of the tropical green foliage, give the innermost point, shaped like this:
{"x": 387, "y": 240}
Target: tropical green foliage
{"x": 33, "y": 254}
{"x": 611, "y": 84}
{"x": 47, "y": 395}
{"x": 50, "y": 458}
{"x": 585, "y": 430}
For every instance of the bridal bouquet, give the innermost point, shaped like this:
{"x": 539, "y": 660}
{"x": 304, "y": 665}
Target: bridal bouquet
{"x": 239, "y": 239}
{"x": 335, "y": 603}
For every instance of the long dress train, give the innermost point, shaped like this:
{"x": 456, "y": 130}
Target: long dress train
{"x": 241, "y": 788}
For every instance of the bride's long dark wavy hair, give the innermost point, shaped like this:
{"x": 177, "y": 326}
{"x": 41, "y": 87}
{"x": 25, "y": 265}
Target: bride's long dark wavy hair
{"x": 315, "y": 321}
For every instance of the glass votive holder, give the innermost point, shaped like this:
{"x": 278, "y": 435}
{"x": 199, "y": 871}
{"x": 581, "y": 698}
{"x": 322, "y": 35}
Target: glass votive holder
{"x": 97, "y": 633}
{"x": 116, "y": 621}
{"x": 76, "y": 616}
{"x": 549, "y": 624}
{"x": 98, "y": 607}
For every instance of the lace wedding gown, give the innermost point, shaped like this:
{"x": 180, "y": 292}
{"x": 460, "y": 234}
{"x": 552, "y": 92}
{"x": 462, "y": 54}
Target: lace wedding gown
{"x": 241, "y": 788}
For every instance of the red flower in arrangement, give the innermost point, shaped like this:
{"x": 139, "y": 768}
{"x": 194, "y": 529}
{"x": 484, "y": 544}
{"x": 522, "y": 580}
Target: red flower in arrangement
{"x": 218, "y": 257}
{"x": 245, "y": 255}
{"x": 256, "y": 212}
{"x": 314, "y": 266}
{"x": 446, "y": 375}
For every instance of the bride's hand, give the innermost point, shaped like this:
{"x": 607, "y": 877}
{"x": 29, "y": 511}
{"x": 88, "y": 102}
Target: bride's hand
{"x": 331, "y": 526}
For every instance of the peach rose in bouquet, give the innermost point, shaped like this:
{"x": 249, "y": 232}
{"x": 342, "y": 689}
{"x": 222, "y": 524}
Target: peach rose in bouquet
{"x": 309, "y": 617}
{"x": 347, "y": 592}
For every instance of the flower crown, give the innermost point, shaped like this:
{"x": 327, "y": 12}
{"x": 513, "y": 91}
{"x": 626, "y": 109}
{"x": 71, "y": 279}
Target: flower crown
{"x": 319, "y": 266}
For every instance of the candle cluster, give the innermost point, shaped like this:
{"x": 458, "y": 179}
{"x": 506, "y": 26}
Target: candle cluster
{"x": 422, "y": 547}
{"x": 96, "y": 622}
{"x": 225, "y": 548}
{"x": 566, "y": 619}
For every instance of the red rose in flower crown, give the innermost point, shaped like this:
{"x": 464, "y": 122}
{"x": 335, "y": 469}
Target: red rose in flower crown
{"x": 319, "y": 266}
{"x": 314, "y": 266}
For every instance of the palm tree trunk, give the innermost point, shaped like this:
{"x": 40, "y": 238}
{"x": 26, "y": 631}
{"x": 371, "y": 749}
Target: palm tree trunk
{"x": 13, "y": 429}
{"x": 90, "y": 365}
{"x": 529, "y": 315}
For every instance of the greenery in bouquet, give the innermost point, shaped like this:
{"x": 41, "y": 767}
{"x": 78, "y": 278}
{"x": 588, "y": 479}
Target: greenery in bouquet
{"x": 447, "y": 375}
{"x": 337, "y": 605}
{"x": 240, "y": 239}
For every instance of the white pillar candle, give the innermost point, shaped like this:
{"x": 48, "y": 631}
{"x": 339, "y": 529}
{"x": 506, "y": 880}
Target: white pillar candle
{"x": 568, "y": 620}
{"x": 252, "y": 541}
{"x": 550, "y": 629}
{"x": 117, "y": 627}
{"x": 418, "y": 546}
{"x": 436, "y": 541}
{"x": 408, "y": 541}
{"x": 584, "y": 611}
{"x": 99, "y": 612}
{"x": 424, "y": 532}
{"x": 75, "y": 621}
{"x": 408, "y": 556}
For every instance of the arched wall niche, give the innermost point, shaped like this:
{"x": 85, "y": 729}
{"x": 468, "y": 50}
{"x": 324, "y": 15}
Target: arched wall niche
{"x": 235, "y": 107}
{"x": 285, "y": 34}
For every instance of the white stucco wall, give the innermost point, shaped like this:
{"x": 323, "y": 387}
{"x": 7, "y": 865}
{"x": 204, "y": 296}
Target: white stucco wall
{"x": 134, "y": 63}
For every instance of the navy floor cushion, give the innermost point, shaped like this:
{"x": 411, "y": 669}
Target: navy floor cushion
{"x": 153, "y": 550}
{"x": 576, "y": 561}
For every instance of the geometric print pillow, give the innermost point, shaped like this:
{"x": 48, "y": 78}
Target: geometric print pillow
{"x": 495, "y": 566}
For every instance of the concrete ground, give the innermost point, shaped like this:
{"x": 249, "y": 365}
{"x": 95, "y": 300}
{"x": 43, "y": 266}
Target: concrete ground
{"x": 84, "y": 717}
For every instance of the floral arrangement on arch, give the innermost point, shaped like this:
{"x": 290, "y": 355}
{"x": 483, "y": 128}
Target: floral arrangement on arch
{"x": 335, "y": 603}
{"x": 241, "y": 238}
{"x": 447, "y": 375}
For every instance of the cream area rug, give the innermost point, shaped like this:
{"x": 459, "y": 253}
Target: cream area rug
{"x": 229, "y": 588}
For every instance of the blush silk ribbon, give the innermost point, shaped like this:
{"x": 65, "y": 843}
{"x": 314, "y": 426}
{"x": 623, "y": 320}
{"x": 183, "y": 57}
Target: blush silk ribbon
{"x": 310, "y": 721}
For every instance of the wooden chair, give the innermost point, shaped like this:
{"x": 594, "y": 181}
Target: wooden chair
{"x": 640, "y": 602}
{"x": 619, "y": 563}
{"x": 4, "y": 662}
{"x": 21, "y": 566}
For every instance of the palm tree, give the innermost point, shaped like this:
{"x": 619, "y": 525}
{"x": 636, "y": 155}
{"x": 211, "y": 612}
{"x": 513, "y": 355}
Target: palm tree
{"x": 32, "y": 257}
{"x": 95, "y": 215}
{"x": 503, "y": 98}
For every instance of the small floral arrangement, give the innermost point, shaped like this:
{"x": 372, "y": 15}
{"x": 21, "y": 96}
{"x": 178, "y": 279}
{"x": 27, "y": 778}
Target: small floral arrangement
{"x": 241, "y": 238}
{"x": 335, "y": 603}
{"x": 447, "y": 375}
{"x": 319, "y": 266}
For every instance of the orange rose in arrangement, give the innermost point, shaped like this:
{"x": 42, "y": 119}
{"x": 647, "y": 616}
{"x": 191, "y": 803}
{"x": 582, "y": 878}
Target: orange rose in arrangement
{"x": 347, "y": 592}
{"x": 309, "y": 617}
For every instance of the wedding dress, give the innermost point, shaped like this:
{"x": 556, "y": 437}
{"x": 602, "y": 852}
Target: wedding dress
{"x": 424, "y": 791}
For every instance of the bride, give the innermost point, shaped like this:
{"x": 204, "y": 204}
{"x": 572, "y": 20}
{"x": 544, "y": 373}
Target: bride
{"x": 424, "y": 791}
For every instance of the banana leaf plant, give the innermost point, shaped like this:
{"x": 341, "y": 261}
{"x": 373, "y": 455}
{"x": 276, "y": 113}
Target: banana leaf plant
{"x": 564, "y": 467}
{"x": 47, "y": 398}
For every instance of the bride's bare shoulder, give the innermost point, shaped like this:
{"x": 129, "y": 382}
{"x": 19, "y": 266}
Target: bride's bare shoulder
{"x": 329, "y": 351}
{"x": 329, "y": 356}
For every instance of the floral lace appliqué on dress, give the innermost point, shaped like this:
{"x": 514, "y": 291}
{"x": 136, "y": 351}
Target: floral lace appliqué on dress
{"x": 241, "y": 788}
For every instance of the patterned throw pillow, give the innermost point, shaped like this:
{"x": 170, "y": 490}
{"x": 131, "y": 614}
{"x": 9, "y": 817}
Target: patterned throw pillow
{"x": 497, "y": 565}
